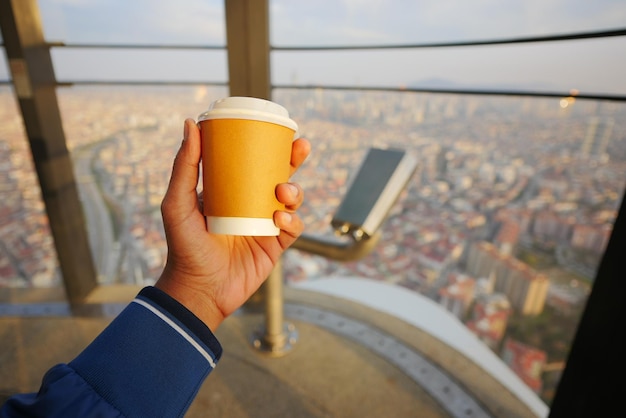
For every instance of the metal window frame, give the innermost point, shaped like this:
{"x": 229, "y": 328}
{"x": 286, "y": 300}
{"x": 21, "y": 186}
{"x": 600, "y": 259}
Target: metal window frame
{"x": 35, "y": 87}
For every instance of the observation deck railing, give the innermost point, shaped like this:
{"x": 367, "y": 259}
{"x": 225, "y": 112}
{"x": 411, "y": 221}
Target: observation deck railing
{"x": 566, "y": 37}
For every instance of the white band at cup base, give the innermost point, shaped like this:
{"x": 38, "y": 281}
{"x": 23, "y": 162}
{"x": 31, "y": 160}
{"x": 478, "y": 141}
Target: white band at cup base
{"x": 254, "y": 227}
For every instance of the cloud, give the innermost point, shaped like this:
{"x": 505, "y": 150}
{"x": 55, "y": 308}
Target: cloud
{"x": 366, "y": 22}
{"x": 197, "y": 21}
{"x": 330, "y": 22}
{"x": 299, "y": 22}
{"x": 137, "y": 21}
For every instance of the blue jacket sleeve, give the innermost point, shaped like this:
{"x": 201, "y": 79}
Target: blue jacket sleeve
{"x": 150, "y": 361}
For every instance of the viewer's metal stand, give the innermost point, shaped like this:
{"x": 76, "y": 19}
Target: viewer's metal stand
{"x": 372, "y": 193}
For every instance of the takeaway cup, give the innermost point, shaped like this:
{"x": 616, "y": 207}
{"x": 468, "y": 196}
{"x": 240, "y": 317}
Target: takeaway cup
{"x": 246, "y": 150}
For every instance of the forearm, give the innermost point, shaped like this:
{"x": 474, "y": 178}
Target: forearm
{"x": 150, "y": 361}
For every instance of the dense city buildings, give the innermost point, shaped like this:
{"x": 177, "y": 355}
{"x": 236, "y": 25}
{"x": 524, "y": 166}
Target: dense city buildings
{"x": 503, "y": 223}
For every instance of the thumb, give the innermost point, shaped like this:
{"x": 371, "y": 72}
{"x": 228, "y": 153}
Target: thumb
{"x": 181, "y": 193}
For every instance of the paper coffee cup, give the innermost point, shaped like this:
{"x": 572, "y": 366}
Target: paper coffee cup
{"x": 246, "y": 151}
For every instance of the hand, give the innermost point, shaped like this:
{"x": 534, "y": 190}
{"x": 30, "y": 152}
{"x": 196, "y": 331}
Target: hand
{"x": 213, "y": 275}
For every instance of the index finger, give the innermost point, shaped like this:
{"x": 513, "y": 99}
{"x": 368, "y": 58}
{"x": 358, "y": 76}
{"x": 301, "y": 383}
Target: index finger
{"x": 300, "y": 150}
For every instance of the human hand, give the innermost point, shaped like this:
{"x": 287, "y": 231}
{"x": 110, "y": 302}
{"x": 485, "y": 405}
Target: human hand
{"x": 213, "y": 275}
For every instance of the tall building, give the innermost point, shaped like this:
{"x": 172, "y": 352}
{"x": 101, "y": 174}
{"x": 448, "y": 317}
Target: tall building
{"x": 441, "y": 162}
{"x": 480, "y": 259}
{"x": 551, "y": 227}
{"x": 507, "y": 237}
{"x": 591, "y": 237}
{"x": 598, "y": 137}
{"x": 525, "y": 288}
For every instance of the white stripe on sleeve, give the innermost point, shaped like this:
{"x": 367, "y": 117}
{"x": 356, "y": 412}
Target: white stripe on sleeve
{"x": 178, "y": 329}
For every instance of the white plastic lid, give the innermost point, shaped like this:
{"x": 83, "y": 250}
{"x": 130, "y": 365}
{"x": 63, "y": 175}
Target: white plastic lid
{"x": 249, "y": 108}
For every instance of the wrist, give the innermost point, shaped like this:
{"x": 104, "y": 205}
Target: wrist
{"x": 195, "y": 300}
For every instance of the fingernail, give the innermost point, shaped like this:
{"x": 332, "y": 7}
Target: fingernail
{"x": 293, "y": 189}
{"x": 186, "y": 131}
{"x": 286, "y": 217}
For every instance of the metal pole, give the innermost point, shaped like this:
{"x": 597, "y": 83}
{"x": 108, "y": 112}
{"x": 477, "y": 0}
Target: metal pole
{"x": 247, "y": 37}
{"x": 274, "y": 312}
{"x": 277, "y": 338}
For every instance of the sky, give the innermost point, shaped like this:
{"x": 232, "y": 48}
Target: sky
{"x": 589, "y": 66}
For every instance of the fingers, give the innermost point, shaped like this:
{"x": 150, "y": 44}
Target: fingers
{"x": 291, "y": 227}
{"x": 300, "y": 150}
{"x": 290, "y": 224}
{"x": 291, "y": 195}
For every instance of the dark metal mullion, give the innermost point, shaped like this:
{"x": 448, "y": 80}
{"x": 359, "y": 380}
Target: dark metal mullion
{"x": 478, "y": 92}
{"x": 453, "y": 44}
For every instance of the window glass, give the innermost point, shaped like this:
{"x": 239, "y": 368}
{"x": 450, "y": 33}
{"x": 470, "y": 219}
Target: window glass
{"x": 94, "y": 118}
{"x": 191, "y": 23}
{"x": 375, "y": 22}
{"x": 123, "y": 141}
{"x": 587, "y": 66}
{"x": 186, "y": 22}
{"x": 503, "y": 224}
{"x": 551, "y": 67}
{"x": 76, "y": 65}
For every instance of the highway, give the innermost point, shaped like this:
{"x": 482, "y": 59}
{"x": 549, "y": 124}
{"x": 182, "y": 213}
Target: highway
{"x": 98, "y": 218}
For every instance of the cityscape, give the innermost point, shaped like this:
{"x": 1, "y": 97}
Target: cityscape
{"x": 503, "y": 223}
